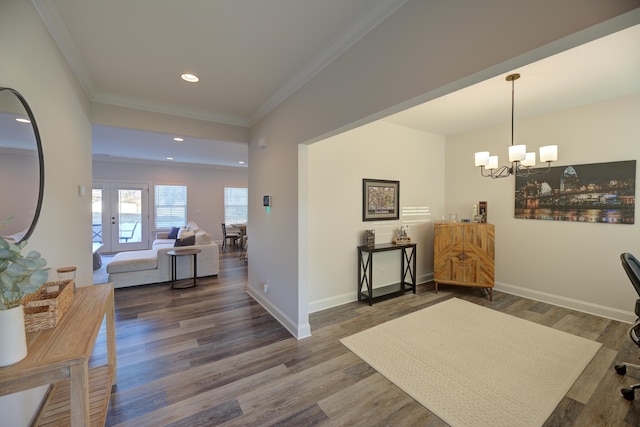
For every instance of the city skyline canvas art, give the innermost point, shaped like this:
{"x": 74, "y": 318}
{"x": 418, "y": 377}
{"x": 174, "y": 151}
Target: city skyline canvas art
{"x": 597, "y": 192}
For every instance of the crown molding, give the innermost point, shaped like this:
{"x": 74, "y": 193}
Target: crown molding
{"x": 342, "y": 43}
{"x": 60, "y": 34}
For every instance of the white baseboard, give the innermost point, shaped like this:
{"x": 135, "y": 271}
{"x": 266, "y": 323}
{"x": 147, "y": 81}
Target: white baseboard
{"x": 334, "y": 301}
{"x": 304, "y": 331}
{"x": 298, "y": 331}
{"x": 574, "y": 304}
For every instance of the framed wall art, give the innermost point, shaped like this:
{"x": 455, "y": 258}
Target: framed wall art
{"x": 380, "y": 200}
{"x": 596, "y": 192}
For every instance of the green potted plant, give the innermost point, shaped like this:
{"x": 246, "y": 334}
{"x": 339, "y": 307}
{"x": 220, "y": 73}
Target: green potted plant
{"x": 19, "y": 275}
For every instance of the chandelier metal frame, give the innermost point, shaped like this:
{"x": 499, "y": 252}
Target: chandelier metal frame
{"x": 522, "y": 163}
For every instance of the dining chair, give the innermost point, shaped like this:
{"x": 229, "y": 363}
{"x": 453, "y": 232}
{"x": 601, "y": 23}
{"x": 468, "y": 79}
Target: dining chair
{"x": 244, "y": 247}
{"x": 228, "y": 236}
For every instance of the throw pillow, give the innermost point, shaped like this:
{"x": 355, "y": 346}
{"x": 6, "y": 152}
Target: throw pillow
{"x": 187, "y": 241}
{"x": 173, "y": 234}
{"x": 192, "y": 226}
{"x": 181, "y": 232}
{"x": 202, "y": 237}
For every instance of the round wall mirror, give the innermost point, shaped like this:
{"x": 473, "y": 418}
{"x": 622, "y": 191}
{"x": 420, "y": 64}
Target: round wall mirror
{"x": 21, "y": 167}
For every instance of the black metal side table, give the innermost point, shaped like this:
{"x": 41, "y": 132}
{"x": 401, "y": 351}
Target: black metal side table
{"x": 174, "y": 254}
{"x": 407, "y": 283}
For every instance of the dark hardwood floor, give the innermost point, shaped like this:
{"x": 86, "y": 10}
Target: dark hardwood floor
{"x": 211, "y": 356}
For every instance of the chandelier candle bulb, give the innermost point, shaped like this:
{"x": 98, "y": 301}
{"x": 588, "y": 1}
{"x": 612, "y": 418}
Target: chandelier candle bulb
{"x": 530, "y": 160}
{"x": 482, "y": 158}
{"x": 549, "y": 153}
{"x": 493, "y": 162}
{"x": 517, "y": 153}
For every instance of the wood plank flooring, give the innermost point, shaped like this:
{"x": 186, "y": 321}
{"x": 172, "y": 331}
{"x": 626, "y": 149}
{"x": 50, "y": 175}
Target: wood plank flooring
{"x": 211, "y": 356}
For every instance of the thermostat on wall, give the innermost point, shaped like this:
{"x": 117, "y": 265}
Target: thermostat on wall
{"x": 266, "y": 201}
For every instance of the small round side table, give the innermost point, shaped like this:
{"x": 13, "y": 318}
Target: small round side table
{"x": 174, "y": 254}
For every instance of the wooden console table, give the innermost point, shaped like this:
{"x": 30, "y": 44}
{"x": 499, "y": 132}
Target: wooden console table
{"x": 365, "y": 272}
{"x": 60, "y": 356}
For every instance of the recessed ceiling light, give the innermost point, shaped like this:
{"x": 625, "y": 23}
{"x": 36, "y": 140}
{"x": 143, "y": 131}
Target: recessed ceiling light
{"x": 23, "y": 120}
{"x": 191, "y": 78}
{"x": 178, "y": 139}
{"x": 241, "y": 162}
{"x": 169, "y": 158}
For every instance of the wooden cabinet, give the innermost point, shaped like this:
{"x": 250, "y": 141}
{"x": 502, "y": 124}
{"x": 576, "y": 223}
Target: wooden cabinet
{"x": 464, "y": 255}
{"x": 60, "y": 356}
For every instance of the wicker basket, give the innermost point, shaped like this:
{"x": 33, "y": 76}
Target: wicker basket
{"x": 43, "y": 310}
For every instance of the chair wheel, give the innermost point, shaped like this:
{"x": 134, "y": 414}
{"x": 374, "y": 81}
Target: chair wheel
{"x": 628, "y": 393}
{"x": 621, "y": 369}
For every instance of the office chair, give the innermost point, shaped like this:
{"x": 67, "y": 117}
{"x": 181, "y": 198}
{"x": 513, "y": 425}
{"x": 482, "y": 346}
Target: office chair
{"x": 632, "y": 267}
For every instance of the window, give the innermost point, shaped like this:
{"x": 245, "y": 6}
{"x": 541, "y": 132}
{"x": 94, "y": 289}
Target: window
{"x": 171, "y": 206}
{"x": 235, "y": 205}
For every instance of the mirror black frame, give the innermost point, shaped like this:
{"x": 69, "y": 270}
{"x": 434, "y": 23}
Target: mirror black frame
{"x": 36, "y": 132}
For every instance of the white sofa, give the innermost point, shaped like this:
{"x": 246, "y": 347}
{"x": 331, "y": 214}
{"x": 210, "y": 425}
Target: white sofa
{"x": 133, "y": 268}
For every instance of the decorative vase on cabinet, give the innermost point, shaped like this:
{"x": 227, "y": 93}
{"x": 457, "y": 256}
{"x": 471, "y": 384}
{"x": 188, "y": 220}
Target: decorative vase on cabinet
{"x": 464, "y": 255}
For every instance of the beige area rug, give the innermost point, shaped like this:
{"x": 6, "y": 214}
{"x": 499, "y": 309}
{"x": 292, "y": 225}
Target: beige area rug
{"x": 473, "y": 366}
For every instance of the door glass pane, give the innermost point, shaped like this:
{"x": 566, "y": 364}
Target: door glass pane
{"x": 96, "y": 215}
{"x": 130, "y": 215}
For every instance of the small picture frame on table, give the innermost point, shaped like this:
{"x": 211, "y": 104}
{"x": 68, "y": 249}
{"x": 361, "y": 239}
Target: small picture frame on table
{"x": 482, "y": 210}
{"x": 370, "y": 238}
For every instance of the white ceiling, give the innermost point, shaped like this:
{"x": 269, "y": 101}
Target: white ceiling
{"x": 605, "y": 68}
{"x": 249, "y": 54}
{"x": 252, "y": 54}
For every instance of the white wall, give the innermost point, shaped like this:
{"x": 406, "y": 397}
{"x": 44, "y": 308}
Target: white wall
{"x": 335, "y": 228}
{"x": 205, "y": 194}
{"x": 571, "y": 264}
{"x": 424, "y": 50}
{"x": 567, "y": 263}
{"x": 32, "y": 64}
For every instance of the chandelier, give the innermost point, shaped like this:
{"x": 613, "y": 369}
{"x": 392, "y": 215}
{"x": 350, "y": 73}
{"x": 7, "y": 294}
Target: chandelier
{"x": 521, "y": 161}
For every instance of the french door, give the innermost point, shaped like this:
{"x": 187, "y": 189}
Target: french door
{"x": 120, "y": 215}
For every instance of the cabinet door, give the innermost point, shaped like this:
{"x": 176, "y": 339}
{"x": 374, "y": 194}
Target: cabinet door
{"x": 479, "y": 250}
{"x": 448, "y": 249}
{"x": 464, "y": 253}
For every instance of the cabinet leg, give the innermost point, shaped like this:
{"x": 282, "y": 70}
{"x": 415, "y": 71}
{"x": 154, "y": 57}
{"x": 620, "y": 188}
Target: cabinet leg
{"x": 436, "y": 287}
